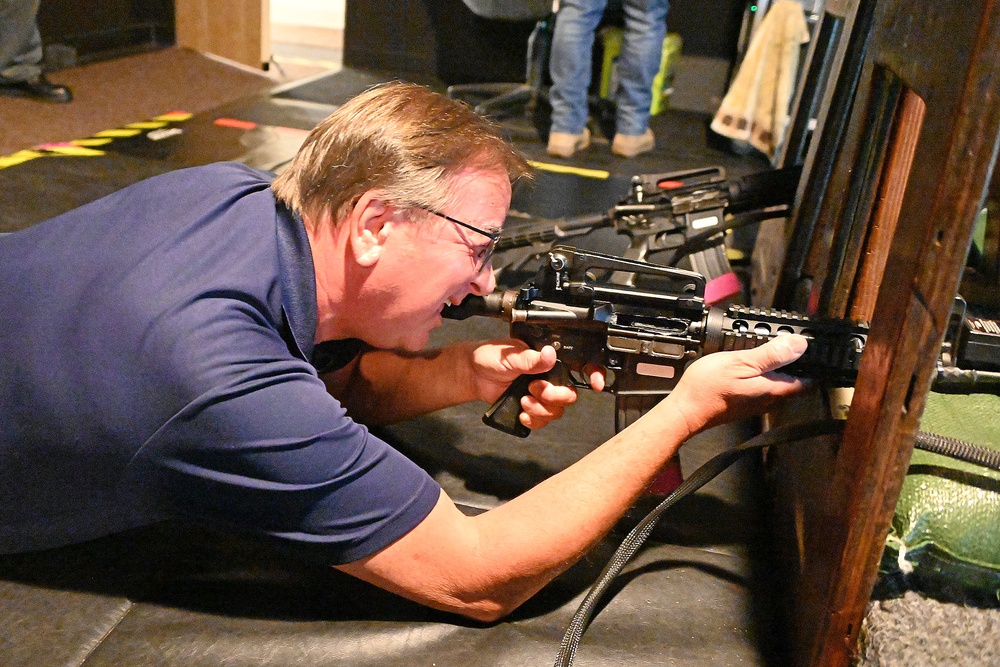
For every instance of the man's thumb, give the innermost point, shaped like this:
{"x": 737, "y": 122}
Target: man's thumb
{"x": 780, "y": 351}
{"x": 541, "y": 361}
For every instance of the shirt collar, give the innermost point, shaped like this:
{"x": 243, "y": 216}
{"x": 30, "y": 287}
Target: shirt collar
{"x": 298, "y": 279}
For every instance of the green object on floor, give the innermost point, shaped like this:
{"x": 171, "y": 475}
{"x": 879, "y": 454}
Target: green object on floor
{"x": 663, "y": 82}
{"x": 946, "y": 527}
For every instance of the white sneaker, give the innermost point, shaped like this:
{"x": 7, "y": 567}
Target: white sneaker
{"x": 564, "y": 144}
{"x": 630, "y": 145}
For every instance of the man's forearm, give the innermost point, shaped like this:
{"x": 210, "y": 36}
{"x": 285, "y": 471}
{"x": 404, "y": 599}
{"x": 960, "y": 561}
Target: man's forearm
{"x": 487, "y": 565}
{"x": 385, "y": 387}
{"x": 543, "y": 532}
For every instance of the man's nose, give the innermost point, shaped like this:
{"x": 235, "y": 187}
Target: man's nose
{"x": 485, "y": 281}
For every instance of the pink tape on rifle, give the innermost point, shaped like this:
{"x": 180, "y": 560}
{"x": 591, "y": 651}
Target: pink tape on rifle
{"x": 724, "y": 286}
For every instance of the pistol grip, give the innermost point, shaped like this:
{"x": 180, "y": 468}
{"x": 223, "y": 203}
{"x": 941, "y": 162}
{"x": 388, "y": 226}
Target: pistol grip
{"x": 504, "y": 414}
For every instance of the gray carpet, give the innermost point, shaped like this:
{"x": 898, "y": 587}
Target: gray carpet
{"x": 916, "y": 631}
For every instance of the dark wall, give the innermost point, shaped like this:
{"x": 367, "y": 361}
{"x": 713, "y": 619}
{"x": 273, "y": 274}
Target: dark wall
{"x": 106, "y": 27}
{"x": 442, "y": 38}
{"x": 709, "y": 28}
{"x": 445, "y": 39}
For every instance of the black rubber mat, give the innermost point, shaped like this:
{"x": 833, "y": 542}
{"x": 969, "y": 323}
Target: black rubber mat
{"x": 45, "y": 187}
{"x": 683, "y": 141}
{"x": 340, "y": 86}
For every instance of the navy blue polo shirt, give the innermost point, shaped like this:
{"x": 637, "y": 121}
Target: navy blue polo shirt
{"x": 157, "y": 350}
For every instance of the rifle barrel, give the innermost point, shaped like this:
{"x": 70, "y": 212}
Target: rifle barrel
{"x": 545, "y": 230}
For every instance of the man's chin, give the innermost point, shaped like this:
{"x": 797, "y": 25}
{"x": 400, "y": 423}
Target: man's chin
{"x": 411, "y": 337}
{"x": 417, "y": 339}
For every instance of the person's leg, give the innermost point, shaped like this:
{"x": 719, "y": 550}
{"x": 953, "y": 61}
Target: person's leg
{"x": 21, "y": 55}
{"x": 20, "y": 42}
{"x": 642, "y": 46}
{"x": 570, "y": 69}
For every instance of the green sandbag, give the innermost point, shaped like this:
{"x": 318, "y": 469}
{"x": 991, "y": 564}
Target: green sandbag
{"x": 946, "y": 528}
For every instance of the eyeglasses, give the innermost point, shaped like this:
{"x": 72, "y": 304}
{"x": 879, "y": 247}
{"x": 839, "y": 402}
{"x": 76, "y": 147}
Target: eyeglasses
{"x": 482, "y": 255}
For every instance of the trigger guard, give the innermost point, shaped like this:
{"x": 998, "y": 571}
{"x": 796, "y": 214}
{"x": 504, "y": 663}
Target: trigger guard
{"x": 578, "y": 379}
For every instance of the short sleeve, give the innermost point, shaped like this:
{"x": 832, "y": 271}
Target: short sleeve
{"x": 272, "y": 452}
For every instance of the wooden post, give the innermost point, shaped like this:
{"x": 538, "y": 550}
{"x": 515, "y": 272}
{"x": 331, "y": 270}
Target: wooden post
{"x": 895, "y": 217}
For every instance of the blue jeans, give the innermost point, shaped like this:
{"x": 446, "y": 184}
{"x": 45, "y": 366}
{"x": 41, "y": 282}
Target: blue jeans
{"x": 20, "y": 42}
{"x": 570, "y": 63}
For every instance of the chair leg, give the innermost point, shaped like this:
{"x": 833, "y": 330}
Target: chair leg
{"x": 506, "y": 100}
{"x": 510, "y": 103}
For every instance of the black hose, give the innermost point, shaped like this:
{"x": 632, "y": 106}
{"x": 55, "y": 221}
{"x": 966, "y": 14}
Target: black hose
{"x": 951, "y": 447}
{"x": 635, "y": 539}
{"x": 959, "y": 449}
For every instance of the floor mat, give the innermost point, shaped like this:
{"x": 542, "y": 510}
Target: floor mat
{"x": 338, "y": 87}
{"x": 113, "y": 93}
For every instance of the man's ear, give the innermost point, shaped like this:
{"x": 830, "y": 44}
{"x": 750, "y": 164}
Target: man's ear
{"x": 371, "y": 222}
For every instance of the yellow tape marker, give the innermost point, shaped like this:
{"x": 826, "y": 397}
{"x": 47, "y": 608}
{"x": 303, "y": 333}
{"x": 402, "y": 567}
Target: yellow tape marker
{"x": 564, "y": 169}
{"x": 83, "y": 147}
{"x": 174, "y": 116}
{"x": 75, "y": 151}
{"x": 19, "y": 157}
{"x": 118, "y": 133}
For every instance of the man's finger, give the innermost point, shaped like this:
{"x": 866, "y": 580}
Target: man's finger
{"x": 547, "y": 392}
{"x": 596, "y": 375}
{"x": 541, "y": 409}
{"x": 778, "y": 352}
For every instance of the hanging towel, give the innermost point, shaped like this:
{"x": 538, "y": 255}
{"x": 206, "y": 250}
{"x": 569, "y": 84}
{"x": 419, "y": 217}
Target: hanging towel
{"x": 755, "y": 109}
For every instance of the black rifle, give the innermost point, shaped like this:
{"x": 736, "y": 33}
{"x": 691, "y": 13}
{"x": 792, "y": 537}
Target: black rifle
{"x": 646, "y": 336}
{"x": 683, "y": 212}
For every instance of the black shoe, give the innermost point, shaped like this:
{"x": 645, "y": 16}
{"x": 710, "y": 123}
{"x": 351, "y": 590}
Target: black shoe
{"x": 40, "y": 89}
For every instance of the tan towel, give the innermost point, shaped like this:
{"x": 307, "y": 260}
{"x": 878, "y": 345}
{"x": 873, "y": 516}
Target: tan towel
{"x": 755, "y": 109}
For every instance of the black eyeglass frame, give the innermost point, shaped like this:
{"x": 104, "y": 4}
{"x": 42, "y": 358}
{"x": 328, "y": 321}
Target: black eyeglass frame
{"x": 484, "y": 261}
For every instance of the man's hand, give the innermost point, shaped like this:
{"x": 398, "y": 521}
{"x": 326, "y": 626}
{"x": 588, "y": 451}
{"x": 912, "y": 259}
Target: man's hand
{"x": 495, "y": 364}
{"x": 727, "y": 386}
